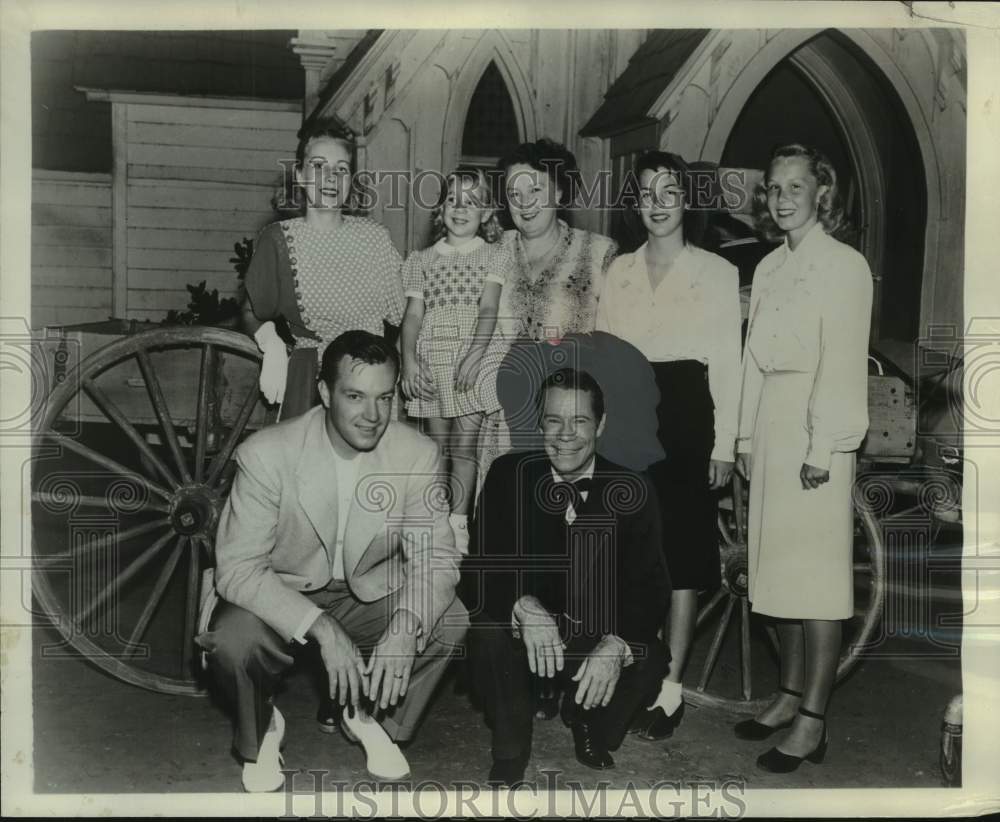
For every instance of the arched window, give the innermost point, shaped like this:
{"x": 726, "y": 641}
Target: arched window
{"x": 490, "y": 124}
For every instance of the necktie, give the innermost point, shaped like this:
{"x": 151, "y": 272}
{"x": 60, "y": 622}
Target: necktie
{"x": 572, "y": 492}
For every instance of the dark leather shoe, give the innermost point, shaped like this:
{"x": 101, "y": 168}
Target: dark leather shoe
{"x": 328, "y": 716}
{"x": 328, "y": 719}
{"x": 756, "y": 731}
{"x": 641, "y": 721}
{"x": 590, "y": 749}
{"x": 547, "y": 701}
{"x": 662, "y": 726}
{"x": 776, "y": 761}
{"x": 508, "y": 772}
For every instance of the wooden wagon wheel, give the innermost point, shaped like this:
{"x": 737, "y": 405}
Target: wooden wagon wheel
{"x": 124, "y": 523}
{"x": 749, "y": 685}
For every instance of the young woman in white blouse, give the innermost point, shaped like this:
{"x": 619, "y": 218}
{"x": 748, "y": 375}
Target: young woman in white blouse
{"x": 679, "y": 305}
{"x": 803, "y": 413}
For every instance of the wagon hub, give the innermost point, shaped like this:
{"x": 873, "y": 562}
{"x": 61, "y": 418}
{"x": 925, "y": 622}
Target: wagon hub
{"x": 194, "y": 510}
{"x": 735, "y": 569}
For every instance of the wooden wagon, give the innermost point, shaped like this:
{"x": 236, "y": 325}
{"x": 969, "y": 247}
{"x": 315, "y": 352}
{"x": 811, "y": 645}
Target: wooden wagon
{"x": 131, "y": 466}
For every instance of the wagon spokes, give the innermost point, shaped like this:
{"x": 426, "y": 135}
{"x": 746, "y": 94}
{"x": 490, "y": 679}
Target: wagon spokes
{"x": 88, "y": 501}
{"x": 141, "y": 530}
{"x": 115, "y": 585}
{"x": 707, "y": 609}
{"x": 192, "y": 600}
{"x": 201, "y": 426}
{"x": 106, "y": 462}
{"x": 739, "y": 509}
{"x": 220, "y": 459}
{"x": 139, "y": 631}
{"x": 745, "y": 668}
{"x": 162, "y": 412}
{"x": 113, "y": 413}
{"x": 716, "y": 646}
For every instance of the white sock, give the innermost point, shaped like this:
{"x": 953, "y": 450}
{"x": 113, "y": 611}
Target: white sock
{"x": 385, "y": 759}
{"x": 670, "y": 697}
{"x": 460, "y": 527}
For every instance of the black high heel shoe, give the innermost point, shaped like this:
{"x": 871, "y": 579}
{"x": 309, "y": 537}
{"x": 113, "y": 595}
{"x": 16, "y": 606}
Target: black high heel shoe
{"x": 662, "y": 726}
{"x": 756, "y": 731}
{"x": 777, "y": 761}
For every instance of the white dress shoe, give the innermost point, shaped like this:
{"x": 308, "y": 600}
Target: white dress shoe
{"x": 265, "y": 774}
{"x": 385, "y": 759}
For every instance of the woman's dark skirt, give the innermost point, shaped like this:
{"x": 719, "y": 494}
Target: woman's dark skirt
{"x": 301, "y": 393}
{"x": 686, "y": 416}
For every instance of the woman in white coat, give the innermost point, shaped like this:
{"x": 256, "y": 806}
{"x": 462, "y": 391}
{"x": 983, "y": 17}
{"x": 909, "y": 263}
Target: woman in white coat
{"x": 803, "y": 414}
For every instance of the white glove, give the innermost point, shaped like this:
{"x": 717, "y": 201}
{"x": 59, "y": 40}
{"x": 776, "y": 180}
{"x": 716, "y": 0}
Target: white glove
{"x": 274, "y": 371}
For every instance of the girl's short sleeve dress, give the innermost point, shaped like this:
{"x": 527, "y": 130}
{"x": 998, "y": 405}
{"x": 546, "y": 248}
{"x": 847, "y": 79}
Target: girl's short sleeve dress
{"x": 450, "y": 282}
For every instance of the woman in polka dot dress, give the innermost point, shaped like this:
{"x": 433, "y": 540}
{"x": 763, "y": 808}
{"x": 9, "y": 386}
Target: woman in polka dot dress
{"x": 324, "y": 273}
{"x": 453, "y": 291}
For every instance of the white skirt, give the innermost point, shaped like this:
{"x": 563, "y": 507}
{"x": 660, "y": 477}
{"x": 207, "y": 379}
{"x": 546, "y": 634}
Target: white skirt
{"x": 800, "y": 541}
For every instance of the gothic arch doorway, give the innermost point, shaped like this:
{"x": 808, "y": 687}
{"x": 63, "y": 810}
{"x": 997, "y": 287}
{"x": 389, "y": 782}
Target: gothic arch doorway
{"x": 827, "y": 92}
{"x": 489, "y": 89}
{"x": 490, "y": 129}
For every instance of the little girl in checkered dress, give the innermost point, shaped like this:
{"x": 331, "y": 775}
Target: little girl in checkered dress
{"x": 453, "y": 291}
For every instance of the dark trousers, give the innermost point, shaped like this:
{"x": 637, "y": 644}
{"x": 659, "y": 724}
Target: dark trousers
{"x": 504, "y": 683}
{"x": 246, "y": 660}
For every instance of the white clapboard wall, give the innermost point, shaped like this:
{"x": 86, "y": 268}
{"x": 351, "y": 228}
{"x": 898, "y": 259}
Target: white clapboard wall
{"x": 200, "y": 179}
{"x": 70, "y": 247}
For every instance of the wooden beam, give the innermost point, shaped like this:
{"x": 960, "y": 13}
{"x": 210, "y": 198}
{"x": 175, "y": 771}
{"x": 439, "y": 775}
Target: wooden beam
{"x": 119, "y": 210}
{"x": 102, "y": 95}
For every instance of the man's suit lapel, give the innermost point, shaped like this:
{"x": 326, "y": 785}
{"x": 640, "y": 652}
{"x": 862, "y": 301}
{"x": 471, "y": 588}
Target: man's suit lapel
{"x": 317, "y": 482}
{"x": 548, "y": 518}
{"x": 372, "y": 501}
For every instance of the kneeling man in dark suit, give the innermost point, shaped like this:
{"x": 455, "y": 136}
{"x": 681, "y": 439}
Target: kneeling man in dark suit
{"x": 566, "y": 579}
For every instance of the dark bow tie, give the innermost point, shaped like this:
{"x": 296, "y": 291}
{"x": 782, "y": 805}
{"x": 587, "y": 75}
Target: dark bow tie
{"x": 572, "y": 493}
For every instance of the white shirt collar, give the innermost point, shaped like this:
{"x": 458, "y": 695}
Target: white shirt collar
{"x": 587, "y": 474}
{"x": 347, "y": 461}
{"x": 684, "y": 261}
{"x": 444, "y": 248}
{"x": 814, "y": 236}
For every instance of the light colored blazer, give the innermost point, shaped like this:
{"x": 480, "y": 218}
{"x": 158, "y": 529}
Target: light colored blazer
{"x": 810, "y": 312}
{"x": 278, "y": 529}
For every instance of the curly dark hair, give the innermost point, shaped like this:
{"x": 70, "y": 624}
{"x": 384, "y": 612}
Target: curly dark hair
{"x": 289, "y": 199}
{"x": 695, "y": 220}
{"x": 330, "y": 129}
{"x": 551, "y": 158}
{"x": 829, "y": 212}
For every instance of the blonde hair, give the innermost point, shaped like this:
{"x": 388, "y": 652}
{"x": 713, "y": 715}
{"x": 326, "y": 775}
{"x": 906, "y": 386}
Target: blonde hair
{"x": 828, "y": 210}
{"x": 491, "y": 230}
